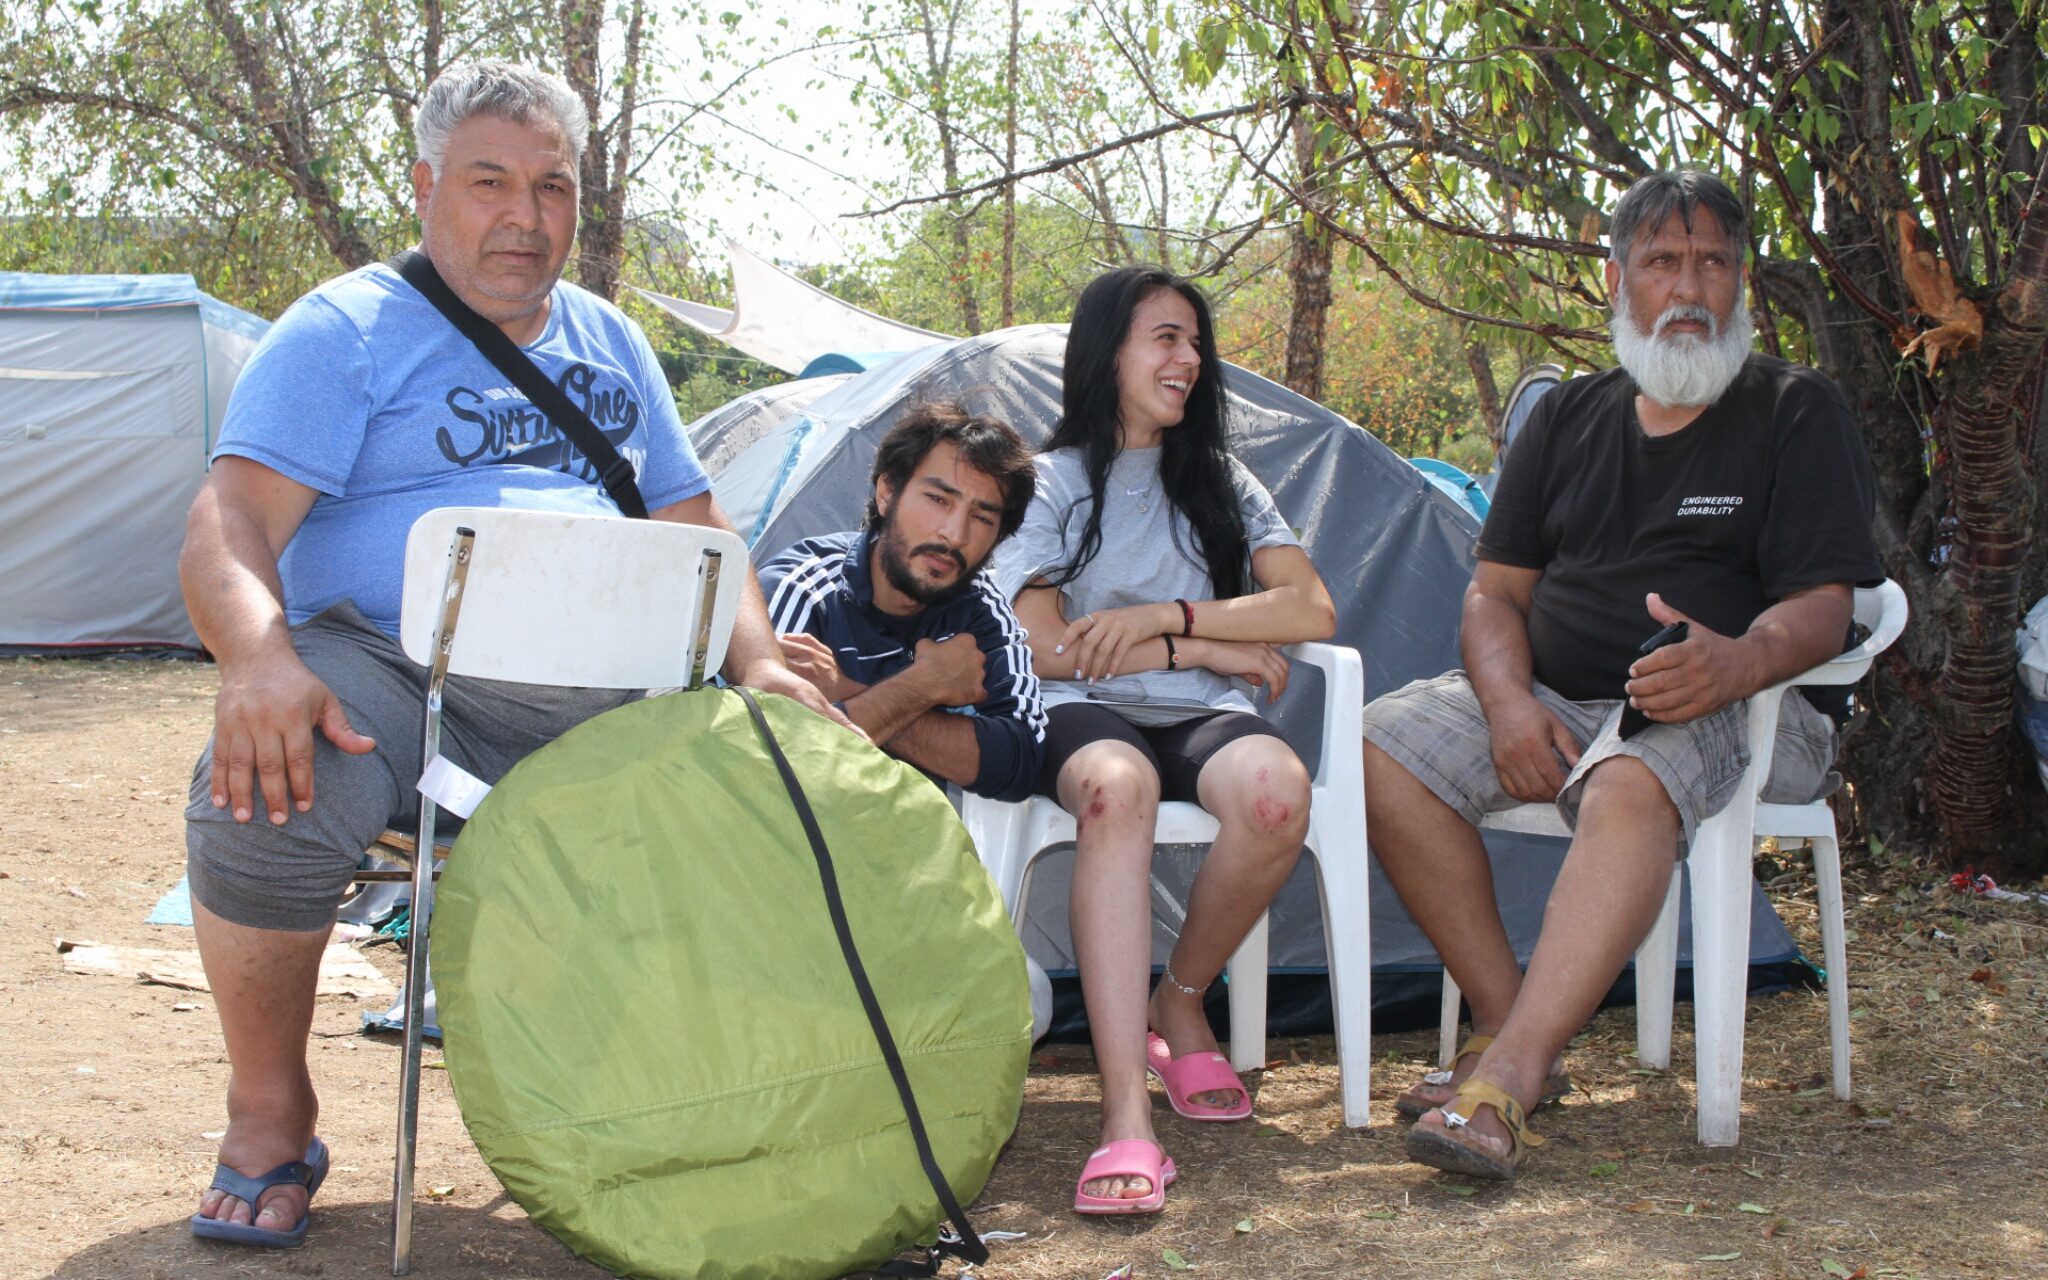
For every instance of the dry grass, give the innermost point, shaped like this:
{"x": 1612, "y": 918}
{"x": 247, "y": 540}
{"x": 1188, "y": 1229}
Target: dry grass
{"x": 1933, "y": 1171}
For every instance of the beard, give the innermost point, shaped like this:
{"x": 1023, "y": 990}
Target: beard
{"x": 896, "y": 567}
{"x": 1682, "y": 370}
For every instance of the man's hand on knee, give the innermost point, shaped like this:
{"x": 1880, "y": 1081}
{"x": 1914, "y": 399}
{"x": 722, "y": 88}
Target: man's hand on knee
{"x": 1532, "y": 749}
{"x": 263, "y": 723}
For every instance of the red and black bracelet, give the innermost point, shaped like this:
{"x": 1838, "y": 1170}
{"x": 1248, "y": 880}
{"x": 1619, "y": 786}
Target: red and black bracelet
{"x": 1187, "y": 616}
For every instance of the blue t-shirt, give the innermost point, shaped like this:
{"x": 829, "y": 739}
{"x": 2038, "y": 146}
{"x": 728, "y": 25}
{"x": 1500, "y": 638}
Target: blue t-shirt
{"x": 363, "y": 391}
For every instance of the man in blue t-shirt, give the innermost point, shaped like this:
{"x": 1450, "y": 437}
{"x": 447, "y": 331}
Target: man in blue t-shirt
{"x": 897, "y": 623}
{"x": 362, "y": 409}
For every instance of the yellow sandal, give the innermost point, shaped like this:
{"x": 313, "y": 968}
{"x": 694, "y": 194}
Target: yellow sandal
{"x": 1451, "y": 1149}
{"x": 1413, "y": 1105}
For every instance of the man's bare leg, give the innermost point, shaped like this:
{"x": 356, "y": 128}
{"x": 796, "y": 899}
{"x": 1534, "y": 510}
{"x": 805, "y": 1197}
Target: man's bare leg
{"x": 1437, "y": 863}
{"x": 263, "y": 982}
{"x": 1607, "y": 896}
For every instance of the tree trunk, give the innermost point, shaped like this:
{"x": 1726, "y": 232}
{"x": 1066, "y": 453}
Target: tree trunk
{"x": 1010, "y": 92}
{"x": 1308, "y": 271}
{"x": 1480, "y": 361}
{"x": 1951, "y": 773}
{"x": 938, "y": 65}
{"x": 297, "y": 156}
{"x": 1975, "y": 740}
{"x": 601, "y": 235}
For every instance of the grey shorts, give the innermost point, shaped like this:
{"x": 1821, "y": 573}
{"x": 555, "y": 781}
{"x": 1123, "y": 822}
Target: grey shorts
{"x": 1436, "y": 730}
{"x": 291, "y": 877}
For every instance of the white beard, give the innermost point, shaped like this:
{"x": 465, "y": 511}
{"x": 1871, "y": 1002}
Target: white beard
{"x": 1682, "y": 369}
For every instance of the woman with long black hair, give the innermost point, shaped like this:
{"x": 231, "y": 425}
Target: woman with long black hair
{"x": 1156, "y": 577}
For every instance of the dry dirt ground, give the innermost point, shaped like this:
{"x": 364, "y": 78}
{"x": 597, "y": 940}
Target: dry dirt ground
{"x": 113, "y": 1093}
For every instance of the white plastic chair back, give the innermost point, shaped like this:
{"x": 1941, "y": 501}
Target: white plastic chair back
{"x": 597, "y": 601}
{"x": 552, "y": 599}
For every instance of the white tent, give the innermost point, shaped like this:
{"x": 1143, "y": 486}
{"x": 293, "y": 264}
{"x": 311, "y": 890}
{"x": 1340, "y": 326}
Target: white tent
{"x": 111, "y": 390}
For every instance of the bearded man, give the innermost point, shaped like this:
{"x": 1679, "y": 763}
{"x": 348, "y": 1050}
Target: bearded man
{"x": 1699, "y": 484}
{"x": 897, "y": 624}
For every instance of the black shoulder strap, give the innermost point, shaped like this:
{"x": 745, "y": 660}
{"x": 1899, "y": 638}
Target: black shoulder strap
{"x": 613, "y": 471}
{"x": 968, "y": 1245}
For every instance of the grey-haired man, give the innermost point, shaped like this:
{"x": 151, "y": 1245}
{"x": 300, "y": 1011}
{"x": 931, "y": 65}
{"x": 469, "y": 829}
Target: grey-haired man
{"x": 362, "y": 409}
{"x": 1699, "y": 483}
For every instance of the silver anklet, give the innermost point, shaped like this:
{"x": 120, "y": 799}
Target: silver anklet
{"x": 1183, "y": 987}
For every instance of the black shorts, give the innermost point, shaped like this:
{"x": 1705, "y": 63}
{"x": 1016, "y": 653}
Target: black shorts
{"x": 1177, "y": 751}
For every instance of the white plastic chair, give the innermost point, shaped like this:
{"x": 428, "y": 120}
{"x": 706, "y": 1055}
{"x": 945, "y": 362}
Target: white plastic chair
{"x": 1010, "y": 837}
{"x": 542, "y": 598}
{"x": 1720, "y": 868}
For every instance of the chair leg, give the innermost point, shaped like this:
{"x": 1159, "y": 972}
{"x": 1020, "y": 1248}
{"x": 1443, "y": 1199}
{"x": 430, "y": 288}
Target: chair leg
{"x": 1656, "y": 976}
{"x": 1827, "y": 874}
{"x": 1247, "y": 990}
{"x": 1347, "y": 944}
{"x": 1721, "y": 879}
{"x": 414, "y": 1044}
{"x": 1447, "y": 1021}
{"x": 459, "y": 553}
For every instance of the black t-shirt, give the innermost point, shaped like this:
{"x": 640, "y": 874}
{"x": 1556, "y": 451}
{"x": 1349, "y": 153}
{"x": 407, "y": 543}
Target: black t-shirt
{"x": 1767, "y": 492}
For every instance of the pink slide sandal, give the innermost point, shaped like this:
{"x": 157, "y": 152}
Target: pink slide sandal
{"x": 1131, "y": 1158}
{"x": 1194, "y": 1073}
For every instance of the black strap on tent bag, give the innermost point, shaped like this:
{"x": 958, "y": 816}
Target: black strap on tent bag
{"x": 968, "y": 1244}
{"x": 613, "y": 471}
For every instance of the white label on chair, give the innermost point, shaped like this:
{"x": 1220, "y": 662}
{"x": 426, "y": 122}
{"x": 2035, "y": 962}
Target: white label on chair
{"x": 453, "y": 787}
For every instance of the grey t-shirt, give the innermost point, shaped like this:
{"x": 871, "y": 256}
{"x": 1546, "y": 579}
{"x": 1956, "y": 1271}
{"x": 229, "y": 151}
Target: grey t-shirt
{"x": 1148, "y": 554}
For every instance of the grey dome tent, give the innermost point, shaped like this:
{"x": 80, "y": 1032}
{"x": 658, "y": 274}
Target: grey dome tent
{"x": 111, "y": 390}
{"x": 1395, "y": 551}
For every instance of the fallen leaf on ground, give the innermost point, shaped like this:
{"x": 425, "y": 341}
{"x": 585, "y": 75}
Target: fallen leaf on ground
{"x": 1173, "y": 1260}
{"x": 1244, "y": 1226}
{"x": 1747, "y": 1207}
{"x": 1605, "y": 1169}
{"x": 1720, "y": 1257}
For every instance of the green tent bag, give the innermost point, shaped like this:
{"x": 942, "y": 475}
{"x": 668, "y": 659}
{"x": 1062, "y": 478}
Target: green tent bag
{"x": 651, "y": 1030}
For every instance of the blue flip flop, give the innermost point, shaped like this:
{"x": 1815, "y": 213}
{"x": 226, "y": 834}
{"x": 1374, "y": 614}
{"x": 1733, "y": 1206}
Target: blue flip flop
{"x": 308, "y": 1173}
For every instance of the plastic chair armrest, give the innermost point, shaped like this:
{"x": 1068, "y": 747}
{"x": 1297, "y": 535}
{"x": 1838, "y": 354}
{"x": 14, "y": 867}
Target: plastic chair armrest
{"x": 1342, "y": 747}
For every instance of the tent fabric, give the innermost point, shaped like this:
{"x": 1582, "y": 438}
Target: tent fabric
{"x": 1453, "y": 480}
{"x": 1395, "y": 551}
{"x": 111, "y": 391}
{"x": 650, "y": 1027}
{"x": 25, "y": 291}
{"x": 787, "y": 322}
